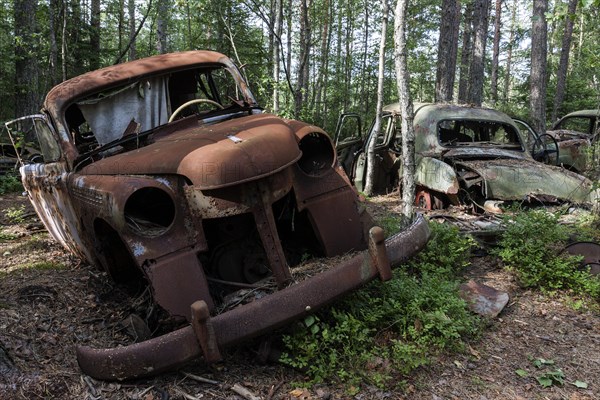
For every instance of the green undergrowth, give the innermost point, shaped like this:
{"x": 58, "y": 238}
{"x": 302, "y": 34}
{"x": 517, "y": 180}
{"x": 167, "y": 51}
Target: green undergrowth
{"x": 10, "y": 183}
{"x": 532, "y": 246}
{"x": 385, "y": 330}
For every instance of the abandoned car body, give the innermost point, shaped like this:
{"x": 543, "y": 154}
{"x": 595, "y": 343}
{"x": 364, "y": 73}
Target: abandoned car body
{"x": 166, "y": 170}
{"x": 465, "y": 155}
{"x": 575, "y": 133}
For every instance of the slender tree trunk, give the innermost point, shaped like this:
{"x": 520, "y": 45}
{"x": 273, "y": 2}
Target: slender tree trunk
{"x": 466, "y": 52}
{"x": 480, "y": 27}
{"x": 95, "y": 35}
{"x": 371, "y": 145}
{"x": 496, "y": 52}
{"x": 26, "y": 62}
{"x": 63, "y": 47}
{"x": 277, "y": 26}
{"x": 447, "y": 50}
{"x": 303, "y": 62}
{"x": 53, "y": 19}
{"x": 408, "y": 133}
{"x": 537, "y": 80}
{"x": 322, "y": 78}
{"x": 161, "y": 26}
{"x": 511, "y": 38}
{"x": 349, "y": 52}
{"x": 363, "y": 74}
{"x": 132, "y": 31}
{"x": 561, "y": 73}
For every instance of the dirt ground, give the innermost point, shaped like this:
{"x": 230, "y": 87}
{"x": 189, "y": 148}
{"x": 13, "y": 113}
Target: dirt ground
{"x": 50, "y": 302}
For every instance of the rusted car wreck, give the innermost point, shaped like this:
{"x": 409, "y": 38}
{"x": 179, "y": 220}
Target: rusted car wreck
{"x": 464, "y": 156}
{"x": 166, "y": 170}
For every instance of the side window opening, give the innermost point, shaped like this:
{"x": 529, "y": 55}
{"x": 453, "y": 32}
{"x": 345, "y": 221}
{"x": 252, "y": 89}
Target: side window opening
{"x": 33, "y": 139}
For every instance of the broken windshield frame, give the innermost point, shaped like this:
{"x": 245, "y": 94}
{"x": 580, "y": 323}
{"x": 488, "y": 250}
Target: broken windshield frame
{"x": 473, "y": 133}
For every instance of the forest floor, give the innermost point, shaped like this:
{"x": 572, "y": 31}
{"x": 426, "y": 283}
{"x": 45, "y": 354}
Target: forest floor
{"x": 49, "y": 302}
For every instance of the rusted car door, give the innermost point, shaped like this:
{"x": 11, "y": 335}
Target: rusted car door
{"x": 348, "y": 139}
{"x": 387, "y": 152}
{"x": 44, "y": 177}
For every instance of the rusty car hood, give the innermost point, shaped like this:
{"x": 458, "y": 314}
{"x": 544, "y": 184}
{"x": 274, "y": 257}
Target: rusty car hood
{"x": 507, "y": 179}
{"x": 211, "y": 156}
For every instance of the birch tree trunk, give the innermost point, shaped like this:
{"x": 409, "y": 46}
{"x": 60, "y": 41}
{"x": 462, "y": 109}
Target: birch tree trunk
{"x": 447, "y": 50}
{"x": 561, "y": 73}
{"x": 480, "y": 28}
{"x": 380, "y": 78}
{"x": 539, "y": 50}
{"x": 496, "y": 52}
{"x": 408, "y": 133}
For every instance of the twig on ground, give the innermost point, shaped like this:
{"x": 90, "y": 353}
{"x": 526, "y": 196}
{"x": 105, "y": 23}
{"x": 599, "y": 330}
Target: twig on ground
{"x": 200, "y": 379}
{"x": 245, "y": 393}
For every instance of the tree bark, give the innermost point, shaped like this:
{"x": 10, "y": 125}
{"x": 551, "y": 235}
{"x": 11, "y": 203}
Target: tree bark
{"x": 537, "y": 80}
{"x": 511, "y": 38}
{"x": 53, "y": 19}
{"x": 95, "y": 35}
{"x": 480, "y": 28}
{"x": 465, "y": 56}
{"x": 26, "y": 61}
{"x": 447, "y": 51}
{"x": 132, "y": 31}
{"x": 161, "y": 26}
{"x": 408, "y": 133}
{"x": 380, "y": 77}
{"x": 277, "y": 26}
{"x": 561, "y": 73}
{"x": 496, "y": 52}
{"x": 303, "y": 61}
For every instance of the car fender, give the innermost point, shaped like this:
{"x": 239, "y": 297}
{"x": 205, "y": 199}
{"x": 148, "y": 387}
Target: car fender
{"x": 436, "y": 175}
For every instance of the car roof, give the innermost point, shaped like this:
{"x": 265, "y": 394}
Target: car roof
{"x": 91, "y": 82}
{"x": 434, "y": 112}
{"x": 583, "y": 113}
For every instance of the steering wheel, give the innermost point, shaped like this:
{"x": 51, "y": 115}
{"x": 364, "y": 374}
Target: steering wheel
{"x": 190, "y": 103}
{"x": 541, "y": 152}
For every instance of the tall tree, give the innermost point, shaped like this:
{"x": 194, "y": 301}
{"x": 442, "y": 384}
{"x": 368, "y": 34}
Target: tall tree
{"x": 561, "y": 73}
{"x": 465, "y": 55}
{"x": 507, "y": 77}
{"x": 26, "y": 59}
{"x": 480, "y": 29}
{"x": 537, "y": 79}
{"x": 447, "y": 50}
{"x": 303, "y": 61}
{"x": 162, "y": 19}
{"x": 496, "y": 52}
{"x": 408, "y": 133}
{"x": 95, "y": 34}
{"x": 277, "y": 29}
{"x": 373, "y": 139}
{"x": 132, "y": 30}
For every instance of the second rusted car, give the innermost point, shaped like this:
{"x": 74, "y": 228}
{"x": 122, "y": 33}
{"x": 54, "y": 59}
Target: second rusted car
{"x": 165, "y": 170}
{"x": 464, "y": 155}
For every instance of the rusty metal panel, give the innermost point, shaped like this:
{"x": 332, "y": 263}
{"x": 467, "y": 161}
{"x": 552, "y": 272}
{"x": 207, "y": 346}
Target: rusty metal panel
{"x": 278, "y": 309}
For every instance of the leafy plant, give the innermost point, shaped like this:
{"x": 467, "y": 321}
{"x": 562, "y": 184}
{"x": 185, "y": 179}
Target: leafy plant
{"x": 532, "y": 247}
{"x": 9, "y": 184}
{"x": 390, "y": 327}
{"x": 15, "y": 215}
{"x": 551, "y": 378}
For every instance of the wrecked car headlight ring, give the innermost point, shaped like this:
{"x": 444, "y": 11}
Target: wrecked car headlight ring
{"x": 149, "y": 211}
{"x": 318, "y": 154}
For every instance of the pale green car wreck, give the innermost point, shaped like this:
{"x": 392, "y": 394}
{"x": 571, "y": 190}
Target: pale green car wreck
{"x": 464, "y": 156}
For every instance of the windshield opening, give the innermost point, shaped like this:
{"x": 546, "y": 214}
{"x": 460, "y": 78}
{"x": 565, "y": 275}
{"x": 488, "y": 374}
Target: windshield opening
{"x": 452, "y": 133}
{"x": 108, "y": 116}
